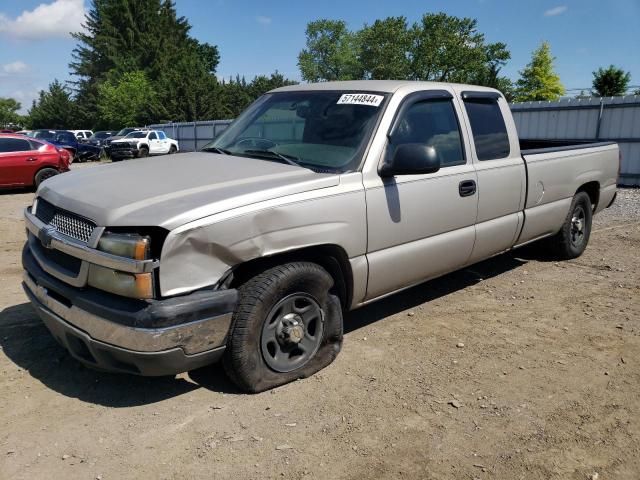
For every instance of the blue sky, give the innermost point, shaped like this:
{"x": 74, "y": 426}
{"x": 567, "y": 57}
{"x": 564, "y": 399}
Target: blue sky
{"x": 258, "y": 37}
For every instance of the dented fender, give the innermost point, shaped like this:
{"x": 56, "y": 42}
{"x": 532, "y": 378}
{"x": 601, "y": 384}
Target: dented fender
{"x": 200, "y": 253}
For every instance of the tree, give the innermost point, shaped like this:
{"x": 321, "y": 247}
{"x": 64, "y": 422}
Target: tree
{"x": 610, "y": 82}
{"x": 331, "y": 53}
{"x": 538, "y": 80}
{"x": 147, "y": 36}
{"x": 384, "y": 52}
{"x": 447, "y": 49}
{"x": 125, "y": 101}
{"x": 54, "y": 109}
{"x": 496, "y": 56}
{"x": 9, "y": 111}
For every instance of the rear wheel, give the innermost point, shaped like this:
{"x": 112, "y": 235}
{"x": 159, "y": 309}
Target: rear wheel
{"x": 43, "y": 174}
{"x": 287, "y": 325}
{"x": 573, "y": 237}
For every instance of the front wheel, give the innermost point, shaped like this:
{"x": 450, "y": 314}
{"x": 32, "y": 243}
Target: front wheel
{"x": 172, "y": 149}
{"x": 572, "y": 239}
{"x": 287, "y": 325}
{"x": 143, "y": 152}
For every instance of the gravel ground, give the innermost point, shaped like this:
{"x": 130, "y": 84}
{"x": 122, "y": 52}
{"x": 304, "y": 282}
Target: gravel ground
{"x": 518, "y": 367}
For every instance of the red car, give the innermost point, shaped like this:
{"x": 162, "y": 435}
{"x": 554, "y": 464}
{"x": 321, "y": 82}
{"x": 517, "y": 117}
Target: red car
{"x": 27, "y": 162}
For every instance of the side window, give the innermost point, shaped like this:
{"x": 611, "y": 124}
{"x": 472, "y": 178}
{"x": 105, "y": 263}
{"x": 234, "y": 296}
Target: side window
{"x": 152, "y": 136}
{"x": 435, "y": 124}
{"x": 488, "y": 128}
{"x": 35, "y": 145}
{"x": 162, "y": 136}
{"x": 14, "y": 145}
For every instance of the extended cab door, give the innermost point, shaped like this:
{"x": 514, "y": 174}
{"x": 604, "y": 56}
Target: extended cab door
{"x": 421, "y": 226}
{"x": 500, "y": 169}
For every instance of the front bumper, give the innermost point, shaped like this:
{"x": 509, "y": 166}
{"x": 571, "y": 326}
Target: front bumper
{"x": 116, "y": 152}
{"x": 154, "y": 337}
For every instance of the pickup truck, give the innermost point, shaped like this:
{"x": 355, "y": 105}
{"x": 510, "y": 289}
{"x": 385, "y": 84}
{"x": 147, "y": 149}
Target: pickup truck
{"x": 318, "y": 199}
{"x": 142, "y": 143}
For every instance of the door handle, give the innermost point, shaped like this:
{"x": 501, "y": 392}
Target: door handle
{"x": 467, "y": 188}
{"x": 31, "y": 159}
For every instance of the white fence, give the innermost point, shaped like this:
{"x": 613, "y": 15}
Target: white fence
{"x": 614, "y": 119}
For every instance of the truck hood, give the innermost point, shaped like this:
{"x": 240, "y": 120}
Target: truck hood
{"x": 172, "y": 190}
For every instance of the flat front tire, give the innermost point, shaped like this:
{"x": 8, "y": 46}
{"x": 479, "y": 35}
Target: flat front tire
{"x": 287, "y": 325}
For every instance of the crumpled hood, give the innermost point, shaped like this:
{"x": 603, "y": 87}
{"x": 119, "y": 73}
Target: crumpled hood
{"x": 169, "y": 191}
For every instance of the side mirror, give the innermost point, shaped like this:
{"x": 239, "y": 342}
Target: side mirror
{"x": 411, "y": 159}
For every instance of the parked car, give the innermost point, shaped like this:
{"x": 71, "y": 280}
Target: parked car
{"x": 28, "y": 133}
{"x": 6, "y": 131}
{"x": 65, "y": 139}
{"x": 98, "y": 138}
{"x": 142, "y": 143}
{"x": 26, "y": 162}
{"x": 82, "y": 135}
{"x": 121, "y": 134}
{"x": 250, "y": 250}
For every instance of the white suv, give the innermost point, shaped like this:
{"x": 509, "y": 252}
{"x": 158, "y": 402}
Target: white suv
{"x": 142, "y": 143}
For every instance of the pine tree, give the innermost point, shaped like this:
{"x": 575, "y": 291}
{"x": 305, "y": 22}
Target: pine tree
{"x": 54, "y": 109}
{"x": 610, "y": 82}
{"x": 538, "y": 80}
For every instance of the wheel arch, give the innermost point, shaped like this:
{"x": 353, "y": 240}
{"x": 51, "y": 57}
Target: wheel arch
{"x": 331, "y": 257}
{"x": 593, "y": 190}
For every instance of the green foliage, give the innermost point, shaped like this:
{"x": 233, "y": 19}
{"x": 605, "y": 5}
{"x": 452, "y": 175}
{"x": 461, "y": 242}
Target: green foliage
{"x": 610, "y": 82}
{"x": 331, "y": 53}
{"x": 145, "y": 36}
{"x": 440, "y": 48}
{"x": 384, "y": 49}
{"x": 125, "y": 101}
{"x": 9, "y": 112}
{"x": 238, "y": 94}
{"x": 54, "y": 109}
{"x": 538, "y": 80}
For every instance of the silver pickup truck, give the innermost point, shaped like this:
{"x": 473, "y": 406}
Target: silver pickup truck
{"x": 318, "y": 199}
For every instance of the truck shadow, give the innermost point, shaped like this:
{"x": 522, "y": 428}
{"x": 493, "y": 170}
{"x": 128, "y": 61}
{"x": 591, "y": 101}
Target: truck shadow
{"x": 27, "y": 342}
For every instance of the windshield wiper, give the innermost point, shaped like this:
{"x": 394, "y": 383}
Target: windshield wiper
{"x": 216, "y": 150}
{"x": 270, "y": 154}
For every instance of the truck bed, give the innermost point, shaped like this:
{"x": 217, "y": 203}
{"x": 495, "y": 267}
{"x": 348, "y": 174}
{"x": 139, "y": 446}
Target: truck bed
{"x": 530, "y": 146}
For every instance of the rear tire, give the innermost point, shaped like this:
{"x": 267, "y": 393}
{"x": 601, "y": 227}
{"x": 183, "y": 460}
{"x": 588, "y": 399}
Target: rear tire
{"x": 572, "y": 239}
{"x": 43, "y": 174}
{"x": 287, "y": 325}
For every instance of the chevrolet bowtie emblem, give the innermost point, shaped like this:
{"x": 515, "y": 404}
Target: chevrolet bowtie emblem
{"x": 45, "y": 235}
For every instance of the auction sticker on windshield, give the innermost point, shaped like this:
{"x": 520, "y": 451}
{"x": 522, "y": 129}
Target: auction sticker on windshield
{"x": 360, "y": 99}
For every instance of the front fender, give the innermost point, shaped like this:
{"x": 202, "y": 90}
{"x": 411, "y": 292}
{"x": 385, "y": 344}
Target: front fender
{"x": 198, "y": 254}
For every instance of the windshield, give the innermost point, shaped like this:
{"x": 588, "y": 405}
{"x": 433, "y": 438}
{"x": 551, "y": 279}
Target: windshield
{"x": 323, "y": 130}
{"x": 124, "y": 131}
{"x": 137, "y": 135}
{"x": 45, "y": 134}
{"x": 101, "y": 135}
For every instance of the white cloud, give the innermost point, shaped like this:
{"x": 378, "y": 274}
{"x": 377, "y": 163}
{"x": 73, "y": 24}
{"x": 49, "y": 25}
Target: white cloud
{"x": 15, "y": 67}
{"x": 263, "y": 20}
{"x": 552, "y": 12}
{"x": 56, "y": 19}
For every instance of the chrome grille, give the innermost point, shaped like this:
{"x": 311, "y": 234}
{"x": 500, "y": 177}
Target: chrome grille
{"x": 64, "y": 222}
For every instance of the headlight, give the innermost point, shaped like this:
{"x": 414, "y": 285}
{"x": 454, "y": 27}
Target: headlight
{"x": 125, "y": 245}
{"x": 134, "y": 285}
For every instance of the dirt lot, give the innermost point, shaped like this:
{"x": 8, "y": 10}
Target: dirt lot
{"x": 547, "y": 384}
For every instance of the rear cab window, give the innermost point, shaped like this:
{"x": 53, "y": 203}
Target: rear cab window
{"x": 489, "y": 131}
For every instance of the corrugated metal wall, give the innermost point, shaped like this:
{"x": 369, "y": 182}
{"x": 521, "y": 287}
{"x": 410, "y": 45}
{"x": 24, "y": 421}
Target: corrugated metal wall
{"x": 599, "y": 119}
{"x": 193, "y": 135}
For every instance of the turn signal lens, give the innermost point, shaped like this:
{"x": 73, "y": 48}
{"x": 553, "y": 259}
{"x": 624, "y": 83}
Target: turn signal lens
{"x": 125, "y": 245}
{"x": 133, "y": 285}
